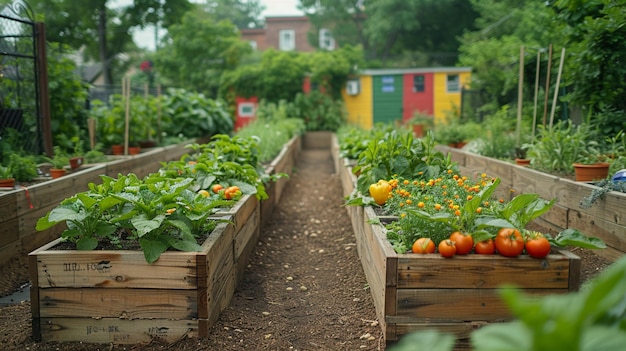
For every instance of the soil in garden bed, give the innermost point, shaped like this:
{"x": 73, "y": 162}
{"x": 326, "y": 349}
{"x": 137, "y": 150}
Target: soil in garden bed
{"x": 304, "y": 288}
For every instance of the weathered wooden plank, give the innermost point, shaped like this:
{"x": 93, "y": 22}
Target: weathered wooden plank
{"x": 316, "y": 140}
{"x": 9, "y": 232}
{"x": 247, "y": 233}
{"x": 526, "y": 180}
{"x": 609, "y": 208}
{"x": 556, "y": 217}
{"x": 115, "y": 330}
{"x": 241, "y": 211}
{"x": 482, "y": 271}
{"x": 118, "y": 303}
{"x": 612, "y": 234}
{"x": 457, "y": 305}
{"x": 8, "y": 205}
{"x": 114, "y": 268}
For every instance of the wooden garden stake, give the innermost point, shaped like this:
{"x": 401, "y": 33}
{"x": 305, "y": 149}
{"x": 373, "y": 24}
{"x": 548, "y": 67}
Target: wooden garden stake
{"x": 556, "y": 88}
{"x": 127, "y": 116}
{"x": 537, "y": 69}
{"x": 545, "y": 102}
{"x": 520, "y": 87}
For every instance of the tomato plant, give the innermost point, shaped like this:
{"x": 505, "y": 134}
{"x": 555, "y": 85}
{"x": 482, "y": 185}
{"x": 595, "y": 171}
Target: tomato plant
{"x": 380, "y": 191}
{"x": 485, "y": 247}
{"x": 216, "y": 188}
{"x": 509, "y": 242}
{"x": 423, "y": 245}
{"x": 447, "y": 248}
{"x": 232, "y": 192}
{"x": 537, "y": 245}
{"x": 463, "y": 242}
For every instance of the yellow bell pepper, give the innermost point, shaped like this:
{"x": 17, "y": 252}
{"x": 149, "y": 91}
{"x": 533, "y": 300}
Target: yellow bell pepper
{"x": 380, "y": 191}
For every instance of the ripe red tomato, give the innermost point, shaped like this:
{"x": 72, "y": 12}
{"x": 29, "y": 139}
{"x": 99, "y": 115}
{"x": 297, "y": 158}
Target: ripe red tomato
{"x": 463, "y": 242}
{"x": 537, "y": 246}
{"x": 509, "y": 242}
{"x": 423, "y": 245}
{"x": 486, "y": 247}
{"x": 447, "y": 248}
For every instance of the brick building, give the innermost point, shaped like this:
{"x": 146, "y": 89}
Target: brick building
{"x": 288, "y": 33}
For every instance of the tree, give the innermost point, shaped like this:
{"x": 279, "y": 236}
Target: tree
{"x": 390, "y": 29}
{"x": 594, "y": 32}
{"x": 492, "y": 50}
{"x": 198, "y": 50}
{"x": 76, "y": 22}
{"x": 242, "y": 13}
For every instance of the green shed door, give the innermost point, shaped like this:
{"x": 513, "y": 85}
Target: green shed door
{"x": 387, "y": 96}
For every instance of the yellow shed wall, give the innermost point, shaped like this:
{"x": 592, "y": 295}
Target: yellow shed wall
{"x": 445, "y": 102}
{"x": 360, "y": 106}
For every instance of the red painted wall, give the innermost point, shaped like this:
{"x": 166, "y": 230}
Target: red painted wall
{"x": 417, "y": 101}
{"x": 242, "y": 120}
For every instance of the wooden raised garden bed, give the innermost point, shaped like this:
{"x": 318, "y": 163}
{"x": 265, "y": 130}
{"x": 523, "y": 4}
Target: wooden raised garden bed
{"x": 417, "y": 292}
{"x": 117, "y": 297}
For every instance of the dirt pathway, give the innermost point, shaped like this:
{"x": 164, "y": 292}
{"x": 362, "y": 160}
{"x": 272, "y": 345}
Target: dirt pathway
{"x": 304, "y": 288}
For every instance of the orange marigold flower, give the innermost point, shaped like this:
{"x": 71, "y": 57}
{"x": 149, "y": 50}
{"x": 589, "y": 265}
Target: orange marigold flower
{"x": 457, "y": 213}
{"x": 501, "y": 200}
{"x": 486, "y": 203}
{"x": 449, "y": 171}
{"x": 403, "y": 215}
{"x": 437, "y": 207}
{"x": 483, "y": 175}
{"x": 402, "y": 204}
{"x": 469, "y": 197}
{"x": 408, "y": 202}
{"x": 479, "y": 210}
{"x": 406, "y": 182}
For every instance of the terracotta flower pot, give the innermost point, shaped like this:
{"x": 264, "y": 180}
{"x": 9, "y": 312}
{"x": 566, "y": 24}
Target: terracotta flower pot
{"x": 117, "y": 149}
{"x": 76, "y": 162}
{"x": 7, "y": 183}
{"x": 134, "y": 150}
{"x": 590, "y": 172}
{"x": 522, "y": 162}
{"x": 57, "y": 172}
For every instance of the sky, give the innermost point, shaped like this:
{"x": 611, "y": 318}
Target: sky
{"x": 145, "y": 38}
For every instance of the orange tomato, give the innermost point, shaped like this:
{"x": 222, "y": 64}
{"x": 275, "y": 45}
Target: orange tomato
{"x": 423, "y": 245}
{"x": 486, "y": 247}
{"x": 216, "y": 188}
{"x": 509, "y": 242}
{"x": 463, "y": 242}
{"x": 447, "y": 248}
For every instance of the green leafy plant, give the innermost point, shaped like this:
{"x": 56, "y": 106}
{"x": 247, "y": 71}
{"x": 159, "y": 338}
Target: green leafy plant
{"x": 399, "y": 154}
{"x": 559, "y": 147}
{"x": 271, "y": 134}
{"x": 157, "y": 212}
{"x": 224, "y": 160}
{"x": 24, "y": 168}
{"x": 6, "y": 172}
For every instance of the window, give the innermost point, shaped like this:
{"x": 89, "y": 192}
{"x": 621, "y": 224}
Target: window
{"x": 418, "y": 83}
{"x": 287, "y": 40}
{"x": 388, "y": 86}
{"x": 253, "y": 44}
{"x": 453, "y": 83}
{"x": 326, "y": 40}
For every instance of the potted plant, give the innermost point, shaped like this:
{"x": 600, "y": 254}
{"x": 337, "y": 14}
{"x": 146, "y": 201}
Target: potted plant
{"x": 6, "y": 177}
{"x": 59, "y": 161}
{"x": 24, "y": 168}
{"x": 420, "y": 123}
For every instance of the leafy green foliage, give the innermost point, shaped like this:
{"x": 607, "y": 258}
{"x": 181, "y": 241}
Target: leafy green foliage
{"x": 272, "y": 134}
{"x": 399, "y": 154}
{"x": 558, "y": 147}
{"x": 318, "y": 111}
{"x": 224, "y": 160}
{"x": 160, "y": 213}
{"x": 193, "y": 115}
{"x": 199, "y": 50}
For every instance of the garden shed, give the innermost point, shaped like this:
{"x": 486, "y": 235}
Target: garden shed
{"x": 389, "y": 95}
